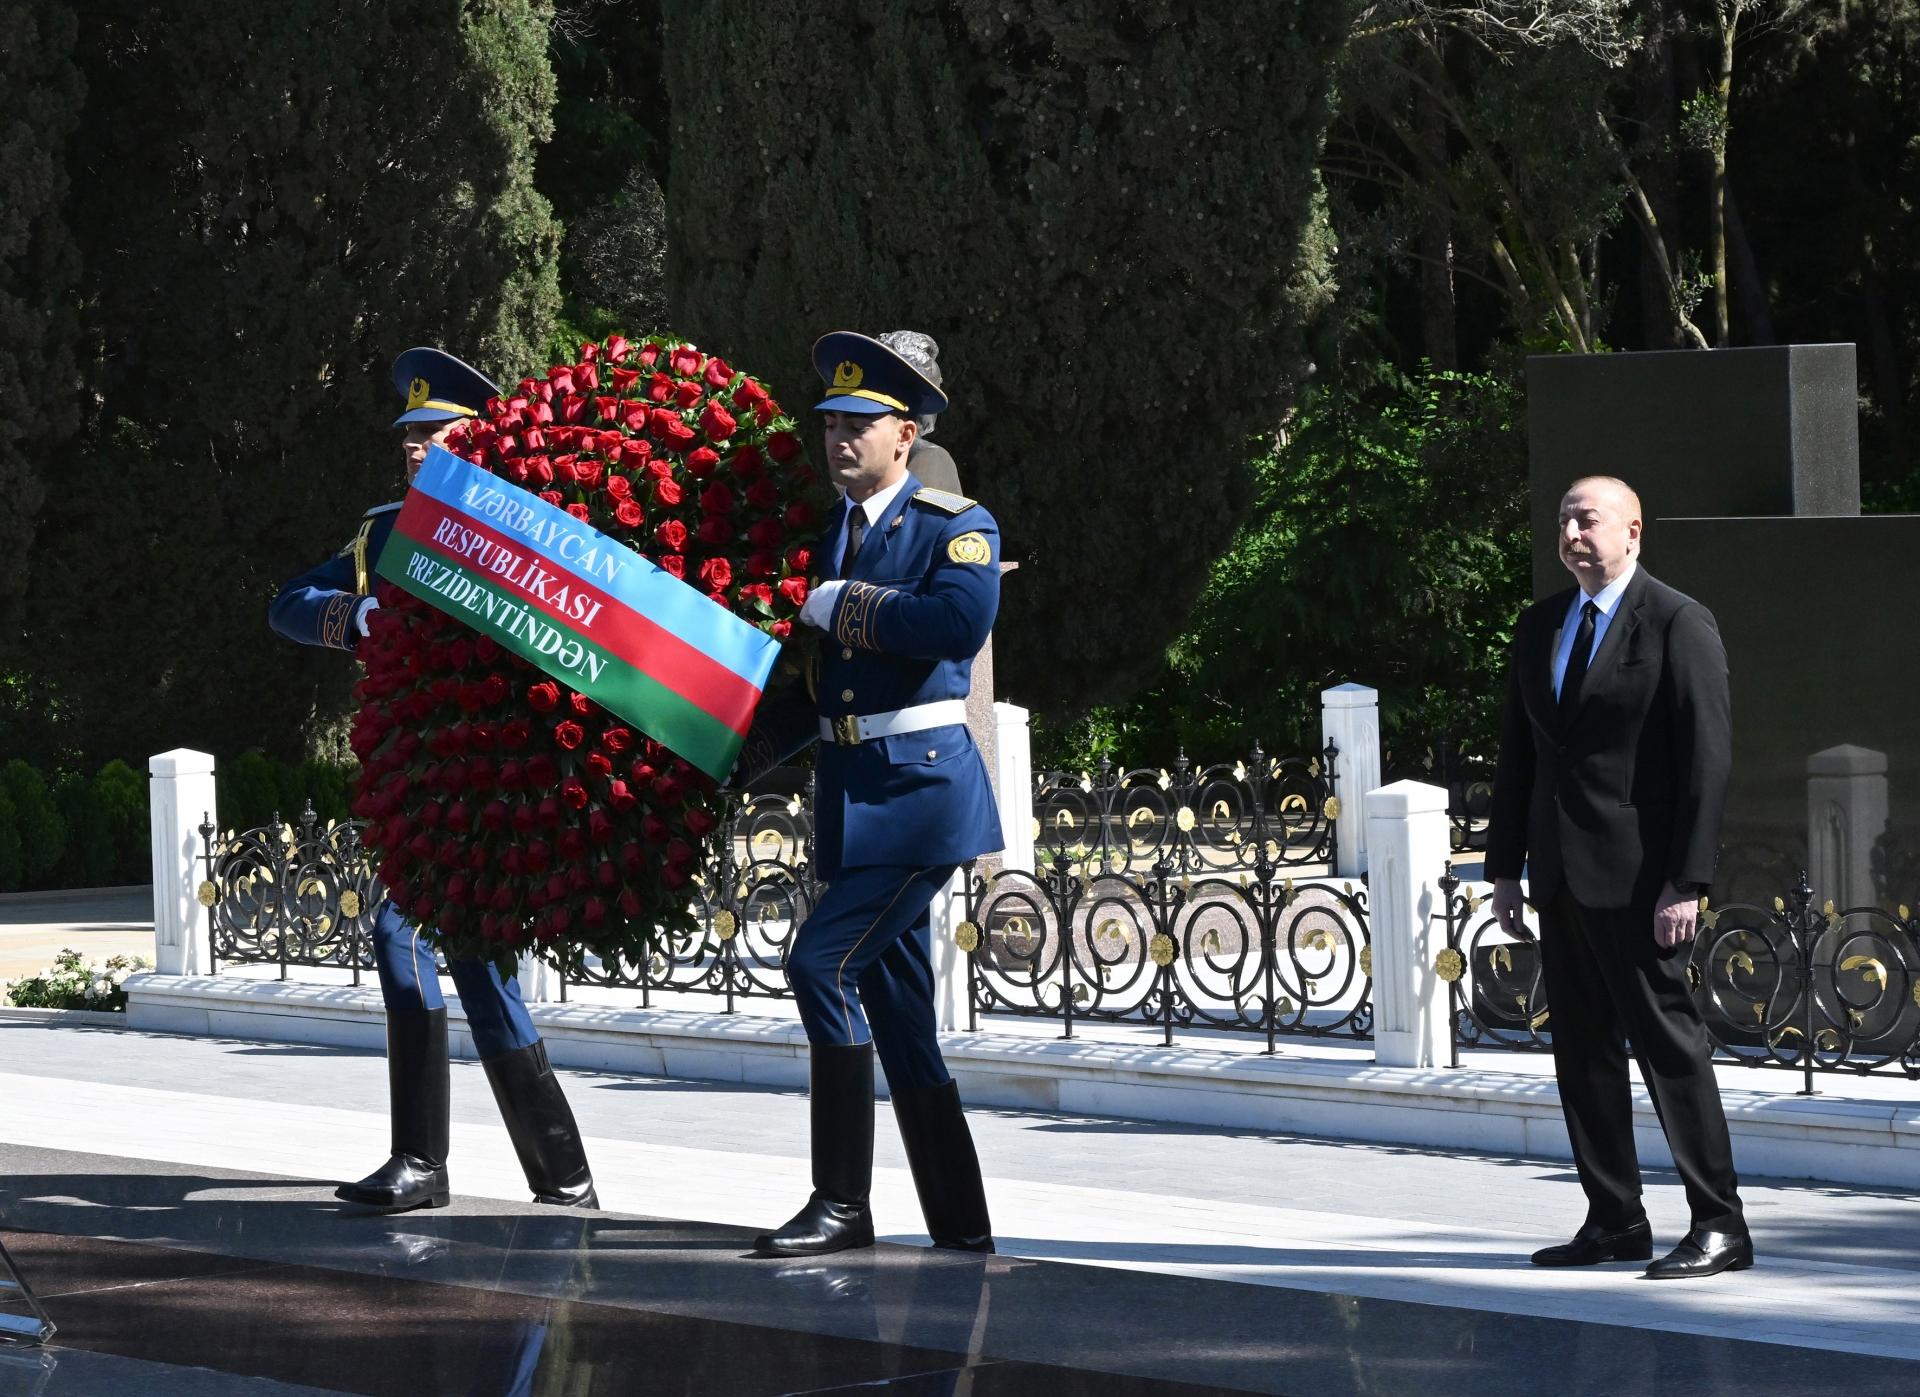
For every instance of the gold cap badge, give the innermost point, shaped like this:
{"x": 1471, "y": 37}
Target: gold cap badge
{"x": 847, "y": 375}
{"x": 417, "y": 393}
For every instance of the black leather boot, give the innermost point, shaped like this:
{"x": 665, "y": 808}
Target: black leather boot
{"x": 946, "y": 1171}
{"x": 836, "y": 1217}
{"x": 541, "y": 1126}
{"x": 417, "y": 1087}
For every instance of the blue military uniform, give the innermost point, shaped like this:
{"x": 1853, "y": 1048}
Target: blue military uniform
{"x": 323, "y": 606}
{"x": 902, "y": 801}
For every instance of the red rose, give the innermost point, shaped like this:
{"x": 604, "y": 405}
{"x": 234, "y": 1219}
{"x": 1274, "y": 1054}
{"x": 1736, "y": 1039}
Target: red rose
{"x": 629, "y": 514}
{"x": 717, "y": 422}
{"x": 701, "y": 822}
{"x": 765, "y": 563}
{"x": 668, "y": 494}
{"x": 599, "y": 827}
{"x": 561, "y": 377}
{"x": 585, "y": 376}
{"x": 574, "y": 793}
{"x": 619, "y": 487}
{"x": 620, "y": 796}
{"x": 630, "y": 904}
{"x": 552, "y": 497}
{"x": 581, "y": 703}
{"x": 763, "y": 493}
{"x": 757, "y": 592}
{"x": 624, "y": 379}
{"x": 569, "y": 735}
{"x": 746, "y": 461}
{"x": 799, "y": 515}
{"x": 716, "y": 574}
{"x": 783, "y": 446}
{"x": 686, "y": 394}
{"x": 780, "y": 630}
{"x": 543, "y": 696}
{"x": 541, "y": 772}
{"x": 589, "y": 472}
{"x": 677, "y": 435}
{"x": 650, "y": 354}
{"x": 768, "y": 533}
{"x": 671, "y": 535}
{"x": 715, "y": 532}
{"x": 751, "y": 393}
{"x": 659, "y": 388}
{"x": 673, "y": 564}
{"x": 718, "y": 374}
{"x": 800, "y": 559}
{"x": 617, "y": 348}
{"x": 794, "y": 589}
{"x": 717, "y": 499}
{"x": 617, "y": 739}
{"x": 598, "y": 764}
{"x": 540, "y": 470}
{"x": 686, "y": 361}
{"x": 579, "y": 511}
{"x": 702, "y": 460}
{"x": 517, "y": 732}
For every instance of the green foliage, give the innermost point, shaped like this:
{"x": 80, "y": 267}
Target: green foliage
{"x": 122, "y": 795}
{"x": 1098, "y": 211}
{"x": 254, "y": 789}
{"x": 88, "y": 859}
{"x": 1388, "y": 547}
{"x": 39, "y": 263}
{"x": 269, "y": 201}
{"x": 11, "y": 869}
{"x": 43, "y": 834}
{"x": 73, "y": 982}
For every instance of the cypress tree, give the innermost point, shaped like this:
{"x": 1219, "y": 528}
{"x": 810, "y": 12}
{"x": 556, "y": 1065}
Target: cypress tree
{"x": 1098, "y": 211}
{"x": 271, "y": 201}
{"x": 39, "y": 399}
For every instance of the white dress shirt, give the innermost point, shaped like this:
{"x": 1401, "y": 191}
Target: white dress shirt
{"x": 1605, "y": 604}
{"x": 818, "y": 610}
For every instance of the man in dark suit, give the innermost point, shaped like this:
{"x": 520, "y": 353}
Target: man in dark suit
{"x": 1614, "y": 755}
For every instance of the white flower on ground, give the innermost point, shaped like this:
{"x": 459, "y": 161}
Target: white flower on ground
{"x": 119, "y": 977}
{"x": 100, "y": 989}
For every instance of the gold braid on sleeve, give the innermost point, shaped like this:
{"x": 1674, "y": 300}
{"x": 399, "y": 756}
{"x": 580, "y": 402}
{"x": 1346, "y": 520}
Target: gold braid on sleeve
{"x": 861, "y": 604}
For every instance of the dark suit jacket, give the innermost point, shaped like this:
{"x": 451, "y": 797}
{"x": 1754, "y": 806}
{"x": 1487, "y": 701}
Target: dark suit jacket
{"x": 1626, "y": 793}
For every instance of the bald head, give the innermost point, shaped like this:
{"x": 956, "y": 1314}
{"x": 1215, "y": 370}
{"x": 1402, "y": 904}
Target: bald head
{"x": 1600, "y": 528}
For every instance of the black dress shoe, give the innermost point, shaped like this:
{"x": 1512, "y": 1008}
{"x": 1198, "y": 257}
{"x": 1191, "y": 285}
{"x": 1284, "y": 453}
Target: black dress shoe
{"x": 836, "y": 1217}
{"x": 415, "y": 1174}
{"x": 1593, "y": 1244}
{"x": 1704, "y": 1253}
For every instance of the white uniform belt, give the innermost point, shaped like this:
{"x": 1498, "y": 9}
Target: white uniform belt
{"x": 865, "y": 727}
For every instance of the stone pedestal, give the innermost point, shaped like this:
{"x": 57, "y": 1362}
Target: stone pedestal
{"x": 1408, "y": 840}
{"x": 1350, "y": 722}
{"x": 1846, "y": 815}
{"x": 180, "y": 799}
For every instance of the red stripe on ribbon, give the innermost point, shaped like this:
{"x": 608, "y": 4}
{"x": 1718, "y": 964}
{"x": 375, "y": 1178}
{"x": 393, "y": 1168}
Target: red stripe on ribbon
{"x": 649, "y": 647}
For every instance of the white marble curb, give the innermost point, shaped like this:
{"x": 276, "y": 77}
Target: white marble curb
{"x": 1832, "y": 1136}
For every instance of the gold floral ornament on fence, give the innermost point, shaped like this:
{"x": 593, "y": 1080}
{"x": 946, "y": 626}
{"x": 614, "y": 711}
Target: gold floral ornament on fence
{"x": 1449, "y": 965}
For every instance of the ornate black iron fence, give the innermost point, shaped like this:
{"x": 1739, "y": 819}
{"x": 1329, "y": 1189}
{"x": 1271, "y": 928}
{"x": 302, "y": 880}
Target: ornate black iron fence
{"x": 1224, "y": 817}
{"x": 1787, "y": 984}
{"x": 290, "y": 895}
{"x": 751, "y": 896}
{"x": 1256, "y": 951}
{"x": 1467, "y": 778}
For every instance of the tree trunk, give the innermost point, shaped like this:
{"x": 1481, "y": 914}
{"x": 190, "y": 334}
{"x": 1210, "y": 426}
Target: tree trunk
{"x": 1655, "y": 101}
{"x": 1729, "y": 12}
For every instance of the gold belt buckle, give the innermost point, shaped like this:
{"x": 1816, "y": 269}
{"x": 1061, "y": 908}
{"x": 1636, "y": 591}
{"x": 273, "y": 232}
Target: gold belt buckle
{"x": 846, "y": 729}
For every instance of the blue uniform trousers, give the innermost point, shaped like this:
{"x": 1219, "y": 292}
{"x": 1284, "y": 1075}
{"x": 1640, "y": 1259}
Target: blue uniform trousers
{"x": 496, "y": 1015}
{"x": 862, "y": 969}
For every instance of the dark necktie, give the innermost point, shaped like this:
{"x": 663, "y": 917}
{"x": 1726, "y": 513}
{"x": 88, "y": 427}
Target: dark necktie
{"x": 1577, "y": 662}
{"x": 856, "y": 535}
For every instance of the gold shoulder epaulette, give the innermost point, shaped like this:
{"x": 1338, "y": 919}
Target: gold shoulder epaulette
{"x": 942, "y": 500}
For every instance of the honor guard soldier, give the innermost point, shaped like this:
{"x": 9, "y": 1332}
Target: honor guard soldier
{"x": 329, "y": 606}
{"x": 902, "y": 800}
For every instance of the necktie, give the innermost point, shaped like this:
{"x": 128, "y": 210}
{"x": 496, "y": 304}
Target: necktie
{"x": 1577, "y": 662}
{"x": 856, "y": 535}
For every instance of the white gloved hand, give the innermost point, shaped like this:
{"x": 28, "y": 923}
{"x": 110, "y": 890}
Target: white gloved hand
{"x": 364, "y": 610}
{"x": 817, "y": 610}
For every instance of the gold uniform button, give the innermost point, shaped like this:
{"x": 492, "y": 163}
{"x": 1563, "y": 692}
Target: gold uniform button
{"x": 846, "y": 696}
{"x": 931, "y": 754}
{"x": 846, "y": 652}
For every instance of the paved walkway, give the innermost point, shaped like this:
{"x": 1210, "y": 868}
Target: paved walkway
{"x": 1839, "y": 1266}
{"x": 97, "y": 922}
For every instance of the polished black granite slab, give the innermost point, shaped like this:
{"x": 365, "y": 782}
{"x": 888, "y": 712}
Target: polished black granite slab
{"x": 242, "y": 1274}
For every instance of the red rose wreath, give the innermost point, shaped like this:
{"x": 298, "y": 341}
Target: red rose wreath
{"x": 507, "y": 810}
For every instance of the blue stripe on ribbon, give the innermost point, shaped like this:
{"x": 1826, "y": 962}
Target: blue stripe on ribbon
{"x": 658, "y": 595}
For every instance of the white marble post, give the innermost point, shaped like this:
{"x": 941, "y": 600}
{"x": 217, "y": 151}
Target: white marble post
{"x": 1409, "y": 841}
{"x": 539, "y": 982}
{"x": 180, "y": 799}
{"x": 949, "y": 961}
{"x": 1846, "y": 815}
{"x": 1350, "y": 721}
{"x": 1013, "y": 784}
